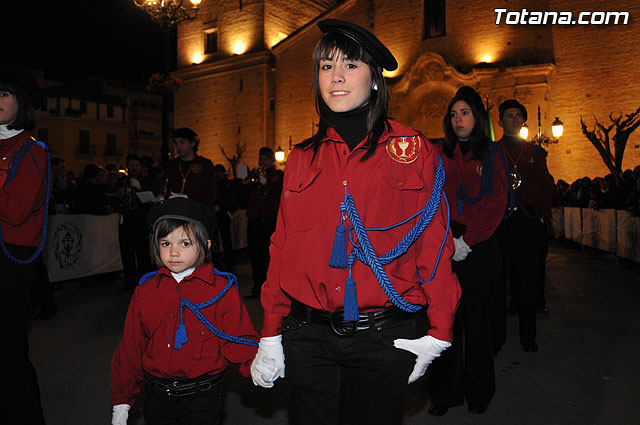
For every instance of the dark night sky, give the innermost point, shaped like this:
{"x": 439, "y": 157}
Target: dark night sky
{"x": 70, "y": 39}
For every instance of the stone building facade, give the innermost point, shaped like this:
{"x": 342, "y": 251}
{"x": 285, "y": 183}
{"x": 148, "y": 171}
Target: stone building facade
{"x": 261, "y": 94}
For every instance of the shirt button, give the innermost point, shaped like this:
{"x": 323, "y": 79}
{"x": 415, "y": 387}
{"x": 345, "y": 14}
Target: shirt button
{"x": 337, "y": 289}
{"x": 300, "y": 186}
{"x": 168, "y": 345}
{"x": 399, "y": 184}
{"x": 173, "y": 315}
{"x": 344, "y": 152}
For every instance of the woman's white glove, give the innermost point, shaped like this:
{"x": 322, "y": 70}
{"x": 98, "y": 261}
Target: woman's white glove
{"x": 462, "y": 249}
{"x": 269, "y": 362}
{"x": 120, "y": 414}
{"x": 426, "y": 348}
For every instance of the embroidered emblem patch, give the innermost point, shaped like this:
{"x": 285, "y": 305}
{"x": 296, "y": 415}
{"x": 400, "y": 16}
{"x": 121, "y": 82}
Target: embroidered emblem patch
{"x": 404, "y": 149}
{"x": 197, "y": 168}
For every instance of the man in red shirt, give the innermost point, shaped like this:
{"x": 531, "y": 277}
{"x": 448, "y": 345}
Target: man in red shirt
{"x": 189, "y": 174}
{"x": 522, "y": 236}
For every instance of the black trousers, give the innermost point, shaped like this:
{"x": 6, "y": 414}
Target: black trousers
{"x": 465, "y": 370}
{"x": 135, "y": 250}
{"x": 224, "y": 229}
{"x": 203, "y": 408}
{"x": 362, "y": 376}
{"x": 521, "y": 240}
{"x": 259, "y": 231}
{"x": 18, "y": 279}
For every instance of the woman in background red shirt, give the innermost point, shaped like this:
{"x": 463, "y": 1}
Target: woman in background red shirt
{"x": 477, "y": 188}
{"x": 24, "y": 181}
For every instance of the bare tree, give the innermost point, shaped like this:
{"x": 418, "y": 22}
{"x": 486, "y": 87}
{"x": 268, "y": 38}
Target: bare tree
{"x": 233, "y": 161}
{"x": 599, "y": 137}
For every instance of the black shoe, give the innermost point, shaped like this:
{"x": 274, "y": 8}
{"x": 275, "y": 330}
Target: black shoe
{"x": 437, "y": 410}
{"x": 477, "y": 409}
{"x": 529, "y": 346}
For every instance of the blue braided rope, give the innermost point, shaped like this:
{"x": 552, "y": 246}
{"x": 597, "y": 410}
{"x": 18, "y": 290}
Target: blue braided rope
{"x": 366, "y": 254}
{"x": 195, "y": 308}
{"x": 13, "y": 169}
{"x": 486, "y": 184}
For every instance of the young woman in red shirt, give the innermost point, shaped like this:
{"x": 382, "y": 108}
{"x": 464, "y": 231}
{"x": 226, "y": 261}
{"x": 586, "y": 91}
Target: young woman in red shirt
{"x": 361, "y": 244}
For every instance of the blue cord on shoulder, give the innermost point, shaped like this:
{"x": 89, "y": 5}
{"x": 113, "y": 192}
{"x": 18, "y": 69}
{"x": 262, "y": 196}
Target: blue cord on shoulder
{"x": 147, "y": 277}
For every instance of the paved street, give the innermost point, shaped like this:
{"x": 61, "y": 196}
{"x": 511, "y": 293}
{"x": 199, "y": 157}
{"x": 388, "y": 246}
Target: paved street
{"x": 586, "y": 372}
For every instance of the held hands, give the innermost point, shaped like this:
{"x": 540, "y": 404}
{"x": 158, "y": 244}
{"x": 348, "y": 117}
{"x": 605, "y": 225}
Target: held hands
{"x": 269, "y": 362}
{"x": 462, "y": 249}
{"x": 426, "y": 348}
{"x": 120, "y": 414}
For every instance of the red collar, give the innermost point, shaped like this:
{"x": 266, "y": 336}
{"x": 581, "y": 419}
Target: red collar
{"x": 203, "y": 273}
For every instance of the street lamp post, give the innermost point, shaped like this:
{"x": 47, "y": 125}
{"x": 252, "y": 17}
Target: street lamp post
{"x": 557, "y": 129}
{"x": 167, "y": 14}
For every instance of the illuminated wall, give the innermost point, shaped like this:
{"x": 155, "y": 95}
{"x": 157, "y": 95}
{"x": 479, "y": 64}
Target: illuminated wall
{"x": 568, "y": 70}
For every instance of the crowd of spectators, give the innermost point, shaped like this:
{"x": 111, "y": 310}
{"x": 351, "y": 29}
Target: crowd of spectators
{"x": 98, "y": 190}
{"x": 613, "y": 191}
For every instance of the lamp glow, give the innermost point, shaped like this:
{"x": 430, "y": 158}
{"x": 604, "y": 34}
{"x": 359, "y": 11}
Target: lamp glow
{"x": 197, "y": 58}
{"x": 524, "y": 131}
{"x": 279, "y": 154}
{"x": 557, "y": 128}
{"x": 238, "y": 48}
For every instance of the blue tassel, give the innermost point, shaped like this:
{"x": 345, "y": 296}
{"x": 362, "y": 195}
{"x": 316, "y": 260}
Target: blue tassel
{"x": 350, "y": 301}
{"x": 181, "y": 336}
{"x": 338, "y": 258}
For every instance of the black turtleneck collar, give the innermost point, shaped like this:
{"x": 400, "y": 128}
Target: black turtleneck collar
{"x": 350, "y": 125}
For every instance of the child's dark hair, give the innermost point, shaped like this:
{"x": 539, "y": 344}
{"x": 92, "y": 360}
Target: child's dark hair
{"x": 196, "y": 233}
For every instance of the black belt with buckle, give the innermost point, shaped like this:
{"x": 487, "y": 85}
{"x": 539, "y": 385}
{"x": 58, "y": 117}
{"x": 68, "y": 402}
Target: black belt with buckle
{"x": 335, "y": 320}
{"x": 183, "y": 387}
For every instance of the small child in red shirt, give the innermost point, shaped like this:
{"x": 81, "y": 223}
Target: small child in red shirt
{"x": 185, "y": 324}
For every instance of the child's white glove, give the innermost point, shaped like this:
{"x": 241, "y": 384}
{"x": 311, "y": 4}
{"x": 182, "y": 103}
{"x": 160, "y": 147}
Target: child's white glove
{"x": 426, "y": 348}
{"x": 462, "y": 249}
{"x": 268, "y": 364}
{"x": 120, "y": 414}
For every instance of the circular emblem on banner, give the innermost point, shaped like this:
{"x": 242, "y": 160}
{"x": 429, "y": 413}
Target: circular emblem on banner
{"x": 67, "y": 243}
{"x": 404, "y": 149}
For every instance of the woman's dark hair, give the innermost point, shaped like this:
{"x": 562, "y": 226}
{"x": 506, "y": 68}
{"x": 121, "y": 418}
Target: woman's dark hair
{"x": 379, "y": 103}
{"x": 196, "y": 233}
{"x": 26, "y": 90}
{"x": 478, "y": 138}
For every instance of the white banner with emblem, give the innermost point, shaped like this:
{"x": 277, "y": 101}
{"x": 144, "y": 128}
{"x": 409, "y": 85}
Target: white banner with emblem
{"x": 81, "y": 245}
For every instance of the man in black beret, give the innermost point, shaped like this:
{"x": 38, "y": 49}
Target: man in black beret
{"x": 522, "y": 236}
{"x": 188, "y": 174}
